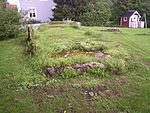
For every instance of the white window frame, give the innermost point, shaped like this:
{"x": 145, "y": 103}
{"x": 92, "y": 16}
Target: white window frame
{"x": 29, "y": 12}
{"x": 125, "y": 19}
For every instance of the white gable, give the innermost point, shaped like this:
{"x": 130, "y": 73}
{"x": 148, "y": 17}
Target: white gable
{"x": 135, "y": 14}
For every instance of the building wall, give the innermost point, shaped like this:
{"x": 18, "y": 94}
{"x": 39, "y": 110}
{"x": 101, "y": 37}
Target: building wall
{"x": 43, "y": 8}
{"x": 125, "y": 23}
{"x": 134, "y": 21}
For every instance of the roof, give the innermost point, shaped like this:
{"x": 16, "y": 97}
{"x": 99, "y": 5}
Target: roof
{"x": 10, "y": 6}
{"x": 128, "y": 13}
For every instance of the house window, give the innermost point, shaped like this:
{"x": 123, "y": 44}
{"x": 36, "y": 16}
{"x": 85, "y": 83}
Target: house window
{"x": 28, "y": 0}
{"x": 125, "y": 19}
{"x": 32, "y": 12}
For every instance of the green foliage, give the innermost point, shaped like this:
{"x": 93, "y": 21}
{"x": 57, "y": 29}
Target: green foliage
{"x": 145, "y": 9}
{"x": 9, "y": 24}
{"x": 97, "y": 14}
{"x": 69, "y": 9}
{"x": 32, "y": 21}
{"x": 42, "y": 28}
{"x": 116, "y": 66}
{"x": 89, "y": 33}
{"x": 68, "y": 73}
{"x": 87, "y": 12}
{"x": 119, "y": 53}
{"x": 2, "y": 4}
{"x": 120, "y": 6}
{"x": 96, "y": 72}
{"x": 24, "y": 88}
{"x": 90, "y": 46}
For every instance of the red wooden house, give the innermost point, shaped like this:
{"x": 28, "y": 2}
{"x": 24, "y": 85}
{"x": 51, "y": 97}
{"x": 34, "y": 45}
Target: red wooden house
{"x": 131, "y": 19}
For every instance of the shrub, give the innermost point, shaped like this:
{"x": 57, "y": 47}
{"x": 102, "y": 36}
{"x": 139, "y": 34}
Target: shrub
{"x": 119, "y": 53}
{"x": 32, "y": 21}
{"x": 116, "y": 66}
{"x": 9, "y": 24}
{"x": 90, "y": 46}
{"x": 97, "y": 14}
{"x": 96, "y": 72}
{"x": 89, "y": 33}
{"x": 68, "y": 73}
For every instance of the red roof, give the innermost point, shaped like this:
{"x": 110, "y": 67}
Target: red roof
{"x": 11, "y": 6}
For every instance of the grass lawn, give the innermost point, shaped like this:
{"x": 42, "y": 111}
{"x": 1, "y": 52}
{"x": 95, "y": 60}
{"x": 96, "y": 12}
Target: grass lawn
{"x": 122, "y": 86}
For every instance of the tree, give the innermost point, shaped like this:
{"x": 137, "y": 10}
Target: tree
{"x": 71, "y": 9}
{"x": 89, "y": 12}
{"x": 121, "y": 6}
{"x": 145, "y": 9}
{"x": 97, "y": 14}
{"x": 9, "y": 22}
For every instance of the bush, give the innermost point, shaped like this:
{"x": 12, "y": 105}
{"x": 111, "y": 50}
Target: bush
{"x": 89, "y": 33}
{"x": 9, "y": 23}
{"x": 119, "y": 53}
{"x": 96, "y": 72}
{"x": 97, "y": 14}
{"x": 89, "y": 46}
{"x": 69, "y": 74}
{"x": 116, "y": 66}
{"x": 32, "y": 21}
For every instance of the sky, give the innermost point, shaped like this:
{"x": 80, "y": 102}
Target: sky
{"x": 13, "y": 1}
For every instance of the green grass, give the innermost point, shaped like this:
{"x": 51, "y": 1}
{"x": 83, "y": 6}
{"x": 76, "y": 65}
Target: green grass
{"x": 137, "y": 39}
{"x": 25, "y": 89}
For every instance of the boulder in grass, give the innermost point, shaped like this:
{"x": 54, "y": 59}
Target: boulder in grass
{"x": 112, "y": 30}
{"x": 77, "y": 67}
{"x": 86, "y": 66}
{"x": 102, "y": 55}
{"x": 77, "y": 25}
{"x": 80, "y": 67}
{"x": 95, "y": 64}
{"x": 51, "y": 71}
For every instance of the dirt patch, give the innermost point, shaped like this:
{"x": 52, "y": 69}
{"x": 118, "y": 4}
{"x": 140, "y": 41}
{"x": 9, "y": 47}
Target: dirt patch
{"x": 77, "y": 67}
{"x": 71, "y": 53}
{"x": 51, "y": 71}
{"x": 102, "y": 55}
{"x": 56, "y": 26}
{"x": 88, "y": 93}
{"x": 146, "y": 62}
{"x": 144, "y": 34}
{"x": 112, "y": 30}
{"x": 116, "y": 82}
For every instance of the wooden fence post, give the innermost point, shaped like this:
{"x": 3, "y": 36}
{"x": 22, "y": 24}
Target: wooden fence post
{"x": 32, "y": 44}
{"x": 30, "y": 33}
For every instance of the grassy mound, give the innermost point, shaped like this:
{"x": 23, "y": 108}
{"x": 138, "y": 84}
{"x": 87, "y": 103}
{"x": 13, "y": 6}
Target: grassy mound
{"x": 121, "y": 86}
